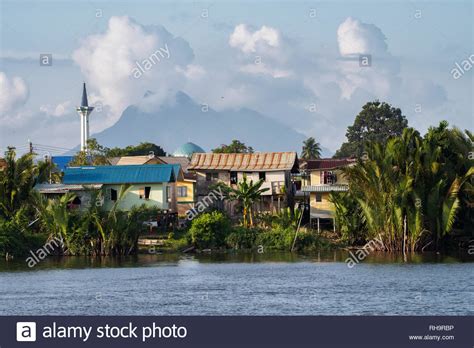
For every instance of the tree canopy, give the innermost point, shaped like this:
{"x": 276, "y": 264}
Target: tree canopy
{"x": 97, "y": 155}
{"x": 236, "y": 146}
{"x": 139, "y": 150}
{"x": 311, "y": 149}
{"x": 377, "y": 122}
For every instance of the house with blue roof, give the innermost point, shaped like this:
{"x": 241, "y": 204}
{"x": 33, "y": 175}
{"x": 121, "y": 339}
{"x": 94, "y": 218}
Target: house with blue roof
{"x": 61, "y": 162}
{"x": 150, "y": 185}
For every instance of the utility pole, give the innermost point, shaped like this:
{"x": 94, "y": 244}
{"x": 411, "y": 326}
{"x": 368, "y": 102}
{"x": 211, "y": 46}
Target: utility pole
{"x": 31, "y": 146}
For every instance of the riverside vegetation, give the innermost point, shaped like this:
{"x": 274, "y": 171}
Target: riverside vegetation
{"x": 412, "y": 192}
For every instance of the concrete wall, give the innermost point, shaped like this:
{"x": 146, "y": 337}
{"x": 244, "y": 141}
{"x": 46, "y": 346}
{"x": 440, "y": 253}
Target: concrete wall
{"x": 132, "y": 197}
{"x": 190, "y": 191}
{"x": 316, "y": 177}
{"x": 280, "y": 177}
{"x": 325, "y": 204}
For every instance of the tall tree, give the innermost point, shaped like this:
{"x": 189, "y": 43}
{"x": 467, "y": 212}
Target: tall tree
{"x": 246, "y": 193}
{"x": 139, "y": 150}
{"x": 235, "y": 146}
{"x": 377, "y": 122}
{"x": 16, "y": 182}
{"x": 311, "y": 149}
{"x": 96, "y": 155}
{"x": 411, "y": 192}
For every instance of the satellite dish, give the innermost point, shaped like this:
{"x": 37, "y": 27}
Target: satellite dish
{"x": 151, "y": 154}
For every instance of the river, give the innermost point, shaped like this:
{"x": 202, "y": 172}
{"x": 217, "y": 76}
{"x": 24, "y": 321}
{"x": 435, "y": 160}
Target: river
{"x": 239, "y": 284}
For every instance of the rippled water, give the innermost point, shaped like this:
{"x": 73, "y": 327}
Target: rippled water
{"x": 239, "y": 284}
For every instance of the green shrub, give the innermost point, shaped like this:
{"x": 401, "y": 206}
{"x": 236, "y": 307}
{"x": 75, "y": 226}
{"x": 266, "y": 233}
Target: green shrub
{"x": 276, "y": 239}
{"x": 16, "y": 242}
{"x": 242, "y": 238}
{"x": 308, "y": 241}
{"x": 209, "y": 230}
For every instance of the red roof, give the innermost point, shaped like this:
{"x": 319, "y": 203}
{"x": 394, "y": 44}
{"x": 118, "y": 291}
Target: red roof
{"x": 328, "y": 163}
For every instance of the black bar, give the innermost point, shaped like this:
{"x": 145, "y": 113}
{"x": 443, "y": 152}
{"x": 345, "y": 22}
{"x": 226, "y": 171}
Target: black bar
{"x": 255, "y": 331}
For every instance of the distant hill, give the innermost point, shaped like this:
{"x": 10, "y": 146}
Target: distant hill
{"x": 183, "y": 120}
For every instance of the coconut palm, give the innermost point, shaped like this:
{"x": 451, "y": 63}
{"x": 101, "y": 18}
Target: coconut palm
{"x": 311, "y": 149}
{"x": 16, "y": 182}
{"x": 246, "y": 193}
{"x": 47, "y": 172}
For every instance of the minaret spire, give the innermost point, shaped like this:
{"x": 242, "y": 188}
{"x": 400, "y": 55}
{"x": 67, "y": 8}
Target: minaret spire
{"x": 84, "y": 96}
{"x": 84, "y": 111}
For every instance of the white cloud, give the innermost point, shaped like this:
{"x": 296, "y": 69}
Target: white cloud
{"x": 13, "y": 93}
{"x": 355, "y": 37}
{"x": 248, "y": 42}
{"x": 263, "y": 69}
{"x": 192, "y": 71}
{"x": 59, "y": 110}
{"x": 108, "y": 61}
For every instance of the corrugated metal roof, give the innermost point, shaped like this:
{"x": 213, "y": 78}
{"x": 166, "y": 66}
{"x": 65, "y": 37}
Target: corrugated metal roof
{"x": 137, "y": 160}
{"x": 325, "y": 188}
{"x": 182, "y": 161}
{"x": 327, "y": 163}
{"x": 61, "y": 161}
{"x": 63, "y": 188}
{"x": 131, "y": 174}
{"x": 260, "y": 161}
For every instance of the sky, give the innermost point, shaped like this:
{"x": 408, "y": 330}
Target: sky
{"x": 296, "y": 62}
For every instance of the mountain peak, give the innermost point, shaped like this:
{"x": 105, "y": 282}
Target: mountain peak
{"x": 183, "y": 99}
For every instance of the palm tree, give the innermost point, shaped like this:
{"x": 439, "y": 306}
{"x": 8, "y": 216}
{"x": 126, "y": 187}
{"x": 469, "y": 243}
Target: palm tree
{"x": 411, "y": 191}
{"x": 16, "y": 182}
{"x": 55, "y": 217}
{"x": 47, "y": 172}
{"x": 246, "y": 193}
{"x": 311, "y": 149}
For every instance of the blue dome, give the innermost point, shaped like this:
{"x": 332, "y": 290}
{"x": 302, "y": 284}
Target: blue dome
{"x": 187, "y": 150}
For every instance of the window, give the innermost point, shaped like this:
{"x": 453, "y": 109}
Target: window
{"x": 233, "y": 177}
{"x": 182, "y": 191}
{"x": 168, "y": 194}
{"x": 113, "y": 194}
{"x": 147, "y": 192}
{"x": 262, "y": 176}
{"x": 328, "y": 178}
{"x": 212, "y": 176}
{"x": 319, "y": 197}
{"x": 144, "y": 192}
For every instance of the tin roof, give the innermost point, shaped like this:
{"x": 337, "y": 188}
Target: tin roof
{"x": 327, "y": 163}
{"x": 61, "y": 161}
{"x": 260, "y": 161}
{"x": 63, "y": 188}
{"x": 325, "y": 188}
{"x": 128, "y": 174}
{"x": 137, "y": 160}
{"x": 182, "y": 161}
